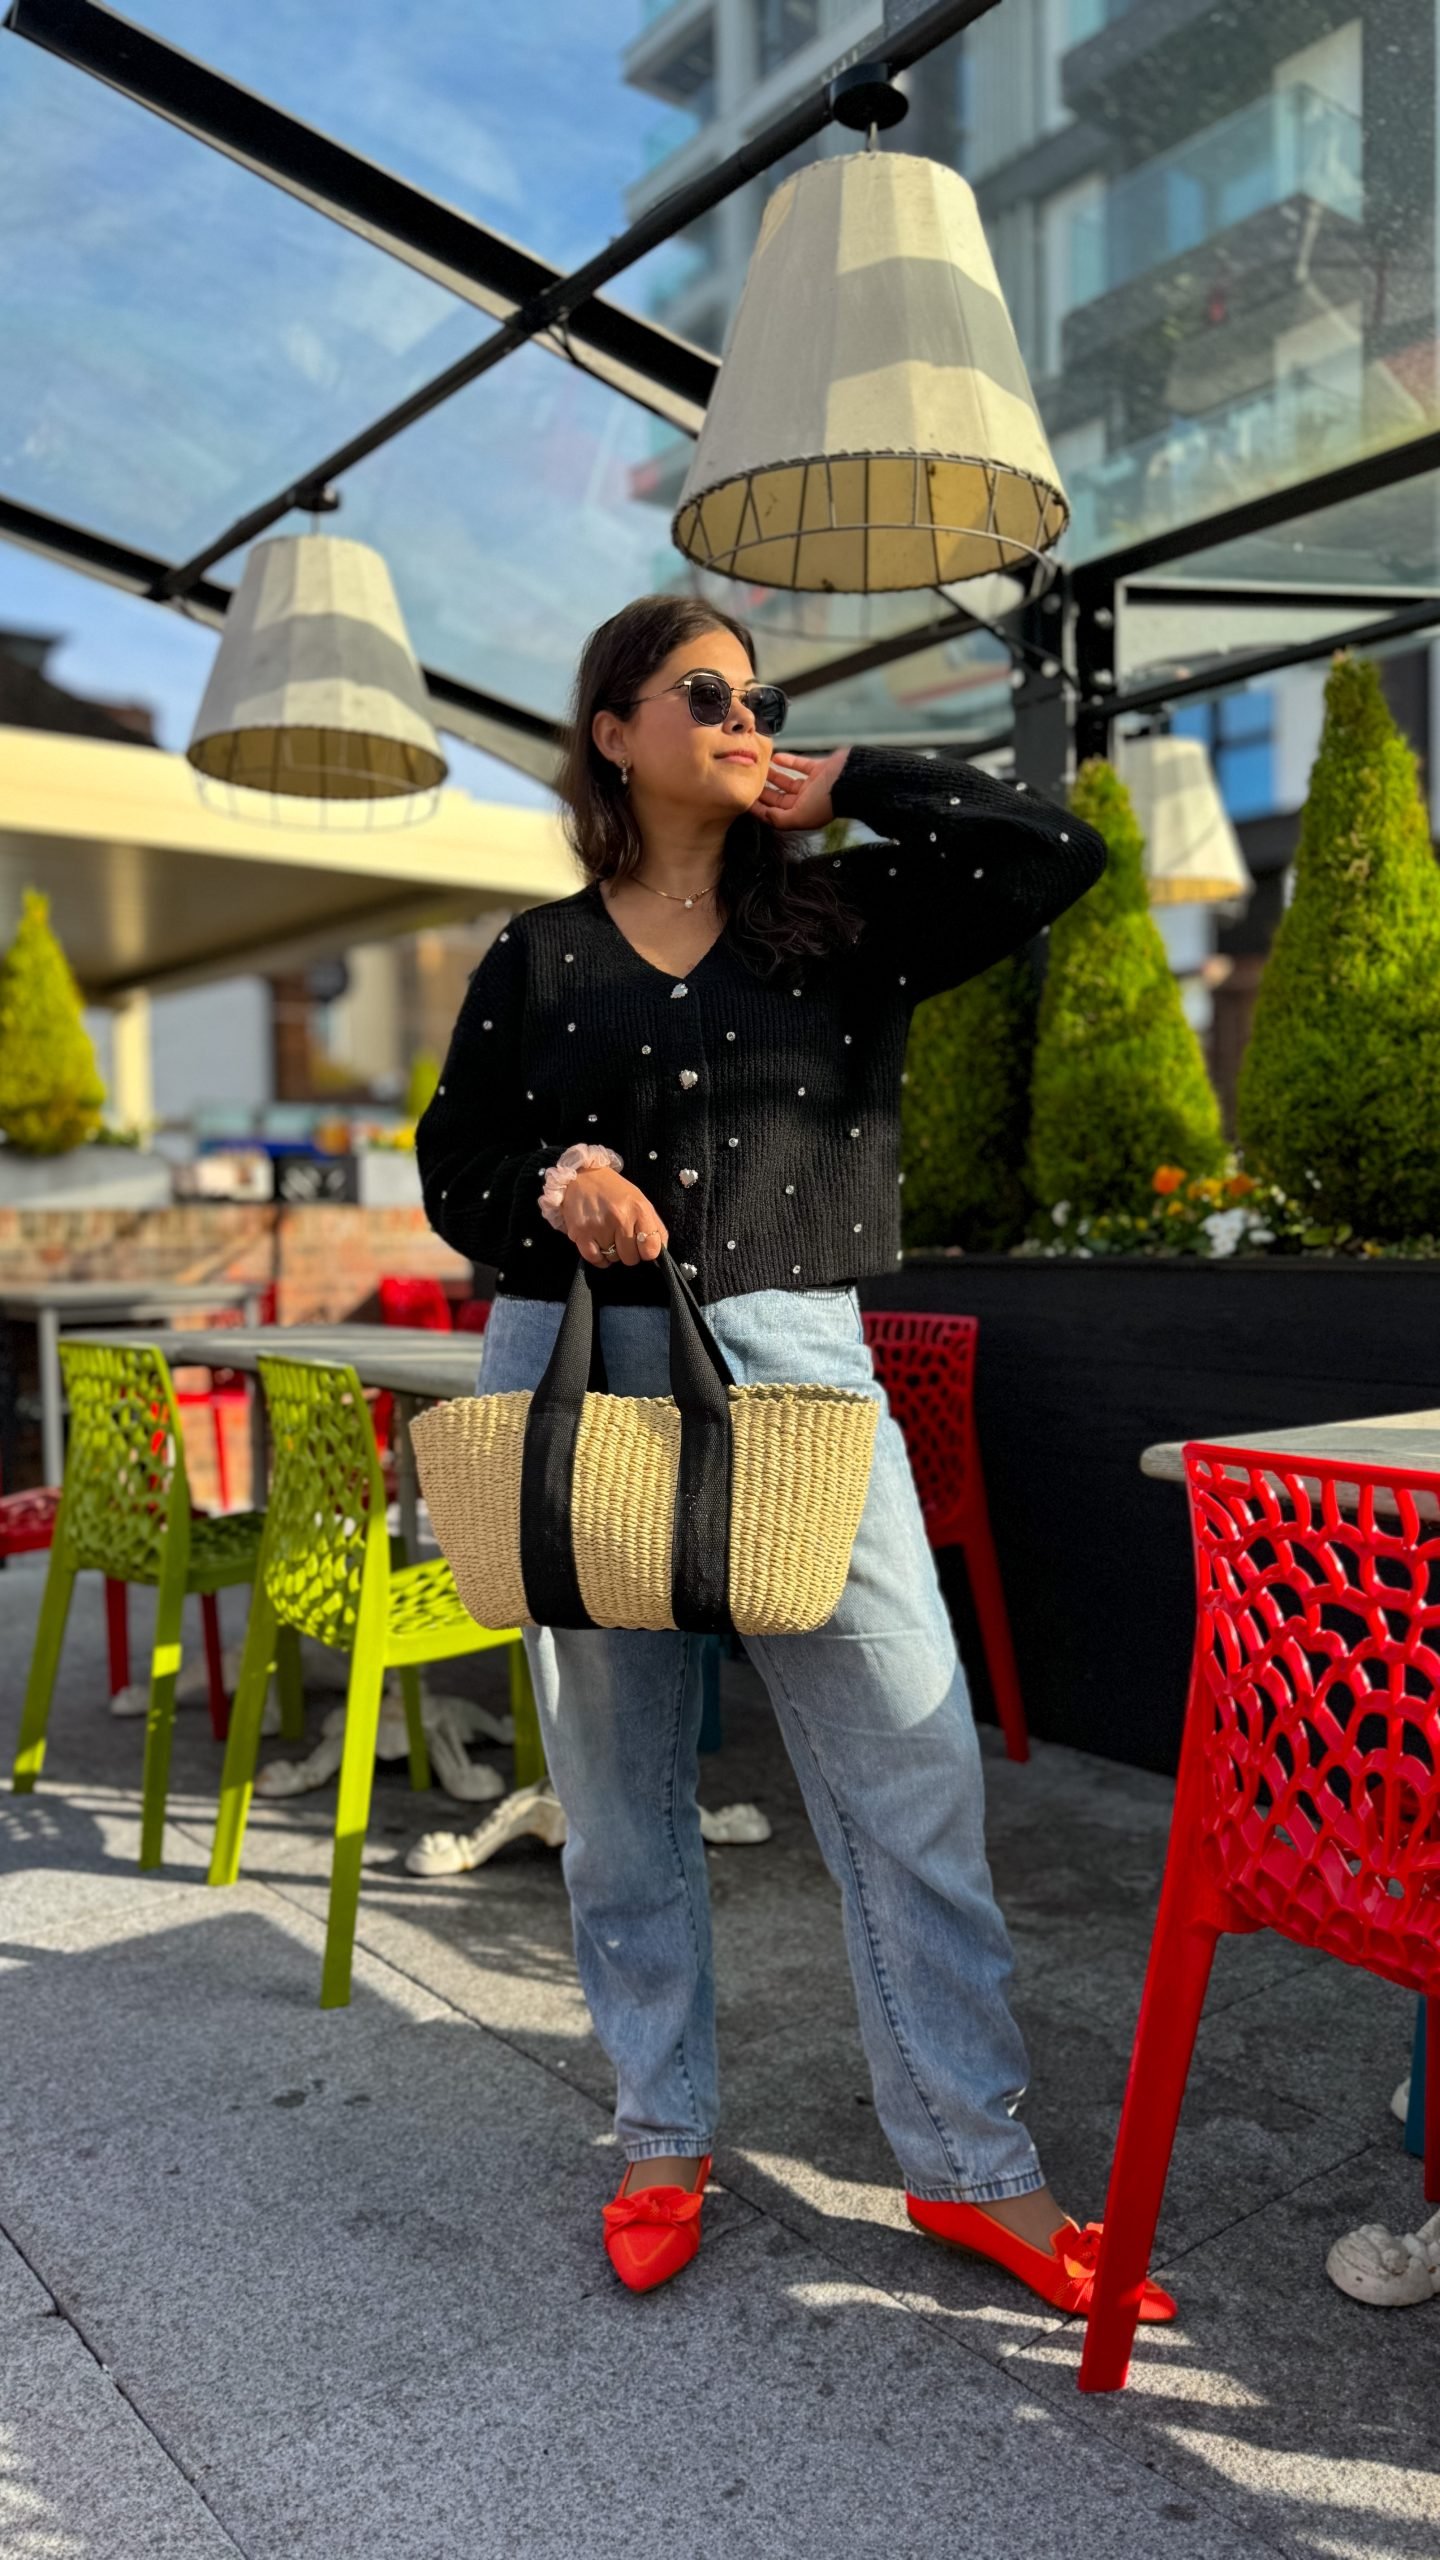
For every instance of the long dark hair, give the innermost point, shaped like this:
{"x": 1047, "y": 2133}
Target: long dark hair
{"x": 778, "y": 904}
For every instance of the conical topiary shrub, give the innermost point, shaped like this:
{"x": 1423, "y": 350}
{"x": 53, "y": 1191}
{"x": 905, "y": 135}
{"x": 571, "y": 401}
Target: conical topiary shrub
{"x": 1339, "y": 1096}
{"x": 965, "y": 1110}
{"x": 50, "y": 1086}
{"x": 1119, "y": 1085}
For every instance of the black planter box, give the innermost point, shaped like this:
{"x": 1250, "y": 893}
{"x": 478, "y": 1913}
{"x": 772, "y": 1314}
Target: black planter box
{"x": 1081, "y": 1366}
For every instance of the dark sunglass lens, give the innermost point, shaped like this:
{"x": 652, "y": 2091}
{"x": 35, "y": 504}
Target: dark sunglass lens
{"x": 769, "y": 706}
{"x": 709, "y": 700}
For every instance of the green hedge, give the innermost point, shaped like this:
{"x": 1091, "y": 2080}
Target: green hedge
{"x": 1119, "y": 1084}
{"x": 965, "y": 1110}
{"x": 51, "y": 1091}
{"x": 1339, "y": 1096}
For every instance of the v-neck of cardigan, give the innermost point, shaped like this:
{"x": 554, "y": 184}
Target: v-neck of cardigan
{"x": 671, "y": 978}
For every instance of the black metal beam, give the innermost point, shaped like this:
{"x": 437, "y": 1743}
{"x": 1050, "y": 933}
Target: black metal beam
{"x": 553, "y": 307}
{"x": 633, "y": 355}
{"x": 1263, "y": 597}
{"x": 1387, "y": 469}
{"x": 1243, "y": 665}
{"x": 880, "y": 653}
{"x": 471, "y": 712}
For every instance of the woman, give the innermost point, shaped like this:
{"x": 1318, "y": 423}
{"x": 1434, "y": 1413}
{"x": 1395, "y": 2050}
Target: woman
{"x": 703, "y": 1049}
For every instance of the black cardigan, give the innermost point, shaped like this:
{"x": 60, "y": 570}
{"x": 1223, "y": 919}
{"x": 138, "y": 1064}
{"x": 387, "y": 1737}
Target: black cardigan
{"x": 778, "y": 1095}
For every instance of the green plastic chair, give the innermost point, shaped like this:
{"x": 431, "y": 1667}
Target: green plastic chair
{"x": 326, "y": 1571}
{"x": 125, "y": 1512}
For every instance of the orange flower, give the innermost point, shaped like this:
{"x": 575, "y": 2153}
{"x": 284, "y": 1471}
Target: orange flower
{"x": 1240, "y": 1186}
{"x": 1169, "y": 1178}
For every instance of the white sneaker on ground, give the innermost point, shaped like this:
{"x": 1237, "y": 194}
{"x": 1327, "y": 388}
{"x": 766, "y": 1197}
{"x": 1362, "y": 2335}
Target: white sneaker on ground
{"x": 1373, "y": 2265}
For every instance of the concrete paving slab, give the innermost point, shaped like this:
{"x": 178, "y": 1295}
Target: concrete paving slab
{"x": 22, "y": 2296}
{"x": 760, "y": 2407}
{"x": 1310, "y": 2418}
{"x": 81, "y": 2476}
{"x": 241, "y": 2263}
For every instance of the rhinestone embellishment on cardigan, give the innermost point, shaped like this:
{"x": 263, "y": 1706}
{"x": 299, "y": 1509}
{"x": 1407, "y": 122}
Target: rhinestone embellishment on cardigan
{"x": 689, "y": 1176}
{"x": 681, "y": 990}
{"x": 688, "y": 1077}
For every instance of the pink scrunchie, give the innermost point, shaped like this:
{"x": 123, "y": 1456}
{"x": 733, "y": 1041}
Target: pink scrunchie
{"x": 558, "y": 1177}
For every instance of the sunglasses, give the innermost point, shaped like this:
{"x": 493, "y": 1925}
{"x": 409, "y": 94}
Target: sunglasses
{"x": 710, "y": 697}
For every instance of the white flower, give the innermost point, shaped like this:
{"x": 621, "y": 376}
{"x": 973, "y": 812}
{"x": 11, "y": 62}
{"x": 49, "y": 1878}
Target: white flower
{"x": 1060, "y": 1212}
{"x": 1225, "y": 1227}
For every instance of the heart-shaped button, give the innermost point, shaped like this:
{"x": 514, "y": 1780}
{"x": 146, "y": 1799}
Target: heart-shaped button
{"x": 688, "y": 1077}
{"x": 688, "y": 1175}
{"x": 681, "y": 990}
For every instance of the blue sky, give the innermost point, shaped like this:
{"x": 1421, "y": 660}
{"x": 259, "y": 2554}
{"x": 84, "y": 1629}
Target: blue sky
{"x": 181, "y": 338}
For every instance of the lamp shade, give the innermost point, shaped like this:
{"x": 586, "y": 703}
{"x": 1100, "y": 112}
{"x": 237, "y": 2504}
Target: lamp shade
{"x": 1192, "y": 853}
{"x": 315, "y": 692}
{"x": 872, "y": 426}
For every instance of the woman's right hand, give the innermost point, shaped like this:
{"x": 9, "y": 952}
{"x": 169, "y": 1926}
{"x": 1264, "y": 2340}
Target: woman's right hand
{"x": 602, "y": 1209}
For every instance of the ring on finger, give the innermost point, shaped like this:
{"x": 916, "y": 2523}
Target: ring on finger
{"x": 608, "y": 1252}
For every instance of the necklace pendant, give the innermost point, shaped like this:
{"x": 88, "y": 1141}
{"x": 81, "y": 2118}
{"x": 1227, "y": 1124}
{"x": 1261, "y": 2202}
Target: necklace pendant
{"x": 689, "y": 902}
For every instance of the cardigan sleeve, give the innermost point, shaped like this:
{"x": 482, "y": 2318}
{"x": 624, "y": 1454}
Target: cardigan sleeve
{"x": 477, "y": 1173}
{"x": 969, "y": 869}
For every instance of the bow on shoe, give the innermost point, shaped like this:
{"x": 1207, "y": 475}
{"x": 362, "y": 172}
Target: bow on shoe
{"x": 1079, "y": 2252}
{"x": 676, "y": 2205}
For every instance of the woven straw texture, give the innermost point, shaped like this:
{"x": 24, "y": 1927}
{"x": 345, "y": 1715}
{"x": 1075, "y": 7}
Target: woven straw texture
{"x": 801, "y": 1471}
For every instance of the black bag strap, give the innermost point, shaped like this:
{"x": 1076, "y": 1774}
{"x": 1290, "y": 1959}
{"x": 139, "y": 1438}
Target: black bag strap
{"x": 699, "y": 1379}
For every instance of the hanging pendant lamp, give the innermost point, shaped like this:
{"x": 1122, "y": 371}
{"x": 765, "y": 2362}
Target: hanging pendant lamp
{"x": 873, "y": 426}
{"x": 1192, "y": 853}
{"x": 315, "y": 693}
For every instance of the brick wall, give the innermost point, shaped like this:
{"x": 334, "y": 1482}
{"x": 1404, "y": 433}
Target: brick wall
{"x": 326, "y": 1260}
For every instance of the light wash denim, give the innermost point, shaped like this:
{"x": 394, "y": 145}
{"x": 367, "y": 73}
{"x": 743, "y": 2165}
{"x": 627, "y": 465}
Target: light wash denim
{"x": 876, "y": 1718}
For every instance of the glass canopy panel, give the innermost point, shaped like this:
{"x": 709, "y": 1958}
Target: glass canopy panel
{"x": 179, "y": 338}
{"x": 1385, "y": 545}
{"x": 522, "y": 117}
{"x": 528, "y": 509}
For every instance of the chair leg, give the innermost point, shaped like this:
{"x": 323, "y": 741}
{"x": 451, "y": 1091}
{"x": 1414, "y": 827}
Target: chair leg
{"x": 1175, "y": 1985}
{"x": 529, "y": 1764}
{"x": 222, "y": 1463}
{"x": 290, "y": 1682}
{"x": 983, "y": 1566}
{"x": 352, "y": 1817}
{"x": 117, "y": 1634}
{"x": 243, "y": 1742}
{"x": 214, "y": 1666}
{"x": 1432, "y": 2099}
{"x": 160, "y": 1721}
{"x": 44, "y": 1663}
{"x": 415, "y": 1729}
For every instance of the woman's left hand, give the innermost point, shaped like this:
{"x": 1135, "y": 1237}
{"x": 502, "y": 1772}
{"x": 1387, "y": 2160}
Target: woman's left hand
{"x": 797, "y": 794}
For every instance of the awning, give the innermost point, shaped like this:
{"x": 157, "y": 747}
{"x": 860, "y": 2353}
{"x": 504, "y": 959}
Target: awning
{"x": 150, "y": 886}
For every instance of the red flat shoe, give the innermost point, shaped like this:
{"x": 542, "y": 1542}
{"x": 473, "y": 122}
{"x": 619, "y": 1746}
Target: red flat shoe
{"x": 1063, "y": 2275}
{"x": 651, "y": 2235}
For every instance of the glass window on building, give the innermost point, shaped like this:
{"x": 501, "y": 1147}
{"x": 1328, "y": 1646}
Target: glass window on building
{"x": 782, "y": 27}
{"x": 1239, "y": 731}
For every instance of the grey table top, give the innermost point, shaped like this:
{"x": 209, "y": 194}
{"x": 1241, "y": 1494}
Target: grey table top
{"x": 1380, "y": 1440}
{"x": 82, "y": 1297}
{"x": 401, "y": 1358}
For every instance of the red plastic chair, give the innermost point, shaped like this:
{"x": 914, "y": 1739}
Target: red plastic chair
{"x": 227, "y": 1392}
{"x": 415, "y": 1301}
{"x": 474, "y": 1315}
{"x": 1309, "y": 1791}
{"x": 926, "y": 1365}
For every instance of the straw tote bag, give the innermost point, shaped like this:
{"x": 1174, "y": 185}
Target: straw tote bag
{"x": 714, "y": 1507}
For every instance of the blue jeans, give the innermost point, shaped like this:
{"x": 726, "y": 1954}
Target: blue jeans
{"x": 876, "y": 1718}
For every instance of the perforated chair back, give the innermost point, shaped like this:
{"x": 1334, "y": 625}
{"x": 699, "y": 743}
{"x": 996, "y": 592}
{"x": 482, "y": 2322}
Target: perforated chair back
{"x": 124, "y": 1463}
{"x": 1315, "y": 1717}
{"x": 926, "y": 1365}
{"x": 325, "y": 1490}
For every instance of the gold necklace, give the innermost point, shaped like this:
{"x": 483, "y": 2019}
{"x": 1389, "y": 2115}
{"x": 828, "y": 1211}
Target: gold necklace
{"x": 673, "y": 894}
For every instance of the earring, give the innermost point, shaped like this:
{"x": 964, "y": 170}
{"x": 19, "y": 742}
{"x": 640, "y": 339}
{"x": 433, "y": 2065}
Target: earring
{"x": 624, "y": 775}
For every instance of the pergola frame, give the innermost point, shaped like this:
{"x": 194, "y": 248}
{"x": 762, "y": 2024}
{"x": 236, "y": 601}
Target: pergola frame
{"x": 533, "y": 303}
